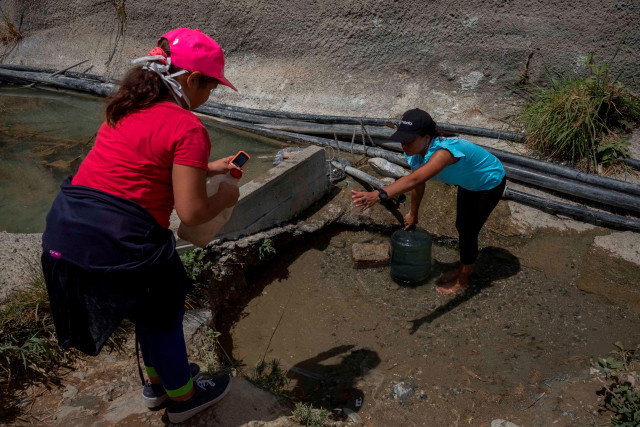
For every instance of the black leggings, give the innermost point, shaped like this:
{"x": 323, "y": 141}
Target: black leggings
{"x": 474, "y": 207}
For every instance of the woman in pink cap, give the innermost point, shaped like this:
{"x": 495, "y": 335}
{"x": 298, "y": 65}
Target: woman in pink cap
{"x": 107, "y": 251}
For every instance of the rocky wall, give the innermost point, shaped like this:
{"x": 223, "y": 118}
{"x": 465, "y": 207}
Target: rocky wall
{"x": 371, "y": 58}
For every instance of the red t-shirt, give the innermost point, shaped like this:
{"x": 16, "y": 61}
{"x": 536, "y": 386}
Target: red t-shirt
{"x": 134, "y": 160}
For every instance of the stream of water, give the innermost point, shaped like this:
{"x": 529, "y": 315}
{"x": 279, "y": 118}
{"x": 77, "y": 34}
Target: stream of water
{"x": 45, "y": 134}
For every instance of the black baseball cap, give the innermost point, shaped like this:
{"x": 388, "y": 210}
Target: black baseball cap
{"x": 414, "y": 123}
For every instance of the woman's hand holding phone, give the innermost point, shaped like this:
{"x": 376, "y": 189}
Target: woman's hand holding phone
{"x": 220, "y": 167}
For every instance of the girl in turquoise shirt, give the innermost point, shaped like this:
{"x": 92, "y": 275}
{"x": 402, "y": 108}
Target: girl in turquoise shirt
{"x": 431, "y": 154}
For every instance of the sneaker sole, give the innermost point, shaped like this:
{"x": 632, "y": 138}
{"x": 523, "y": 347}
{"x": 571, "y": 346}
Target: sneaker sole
{"x": 183, "y": 416}
{"x": 154, "y": 402}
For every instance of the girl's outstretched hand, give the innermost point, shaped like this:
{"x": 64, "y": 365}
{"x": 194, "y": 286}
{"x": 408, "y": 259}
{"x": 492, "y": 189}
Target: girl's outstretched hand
{"x": 366, "y": 199}
{"x": 220, "y": 167}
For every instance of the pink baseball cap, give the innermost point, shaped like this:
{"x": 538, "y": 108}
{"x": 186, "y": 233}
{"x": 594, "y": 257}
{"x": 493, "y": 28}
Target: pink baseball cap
{"x": 193, "y": 50}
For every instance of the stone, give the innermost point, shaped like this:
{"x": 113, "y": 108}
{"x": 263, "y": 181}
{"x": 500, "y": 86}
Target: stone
{"x": 70, "y": 393}
{"x": 608, "y": 274}
{"x": 502, "y": 423}
{"x": 193, "y": 320}
{"x": 370, "y": 255}
{"x": 402, "y": 391}
{"x": 625, "y": 245}
{"x": 353, "y": 416}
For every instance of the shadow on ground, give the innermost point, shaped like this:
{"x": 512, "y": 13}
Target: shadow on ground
{"x": 493, "y": 264}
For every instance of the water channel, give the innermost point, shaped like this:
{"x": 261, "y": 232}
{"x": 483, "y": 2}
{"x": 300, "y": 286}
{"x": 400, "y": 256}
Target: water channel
{"x": 45, "y": 134}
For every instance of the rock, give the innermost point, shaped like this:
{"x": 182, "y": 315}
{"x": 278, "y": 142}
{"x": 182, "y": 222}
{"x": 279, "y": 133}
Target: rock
{"x": 338, "y": 243}
{"x": 370, "y": 255}
{"x": 193, "y": 320}
{"x": 625, "y": 245}
{"x": 502, "y": 423}
{"x": 402, "y": 391}
{"x": 69, "y": 393}
{"x": 386, "y": 168}
{"x": 79, "y": 375}
{"x": 612, "y": 275}
{"x": 353, "y": 416}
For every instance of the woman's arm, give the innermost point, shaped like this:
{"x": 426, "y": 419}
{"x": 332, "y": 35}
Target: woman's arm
{"x": 438, "y": 161}
{"x": 190, "y": 195}
{"x": 411, "y": 218}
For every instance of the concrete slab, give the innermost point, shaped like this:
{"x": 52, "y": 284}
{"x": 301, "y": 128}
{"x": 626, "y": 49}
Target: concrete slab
{"x": 625, "y": 245}
{"x": 611, "y": 277}
{"x": 275, "y": 197}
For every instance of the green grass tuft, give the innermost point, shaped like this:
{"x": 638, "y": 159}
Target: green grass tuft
{"x": 581, "y": 119}
{"x": 28, "y": 347}
{"x": 270, "y": 377}
{"x": 309, "y": 416}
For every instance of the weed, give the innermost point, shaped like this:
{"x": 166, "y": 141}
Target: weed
{"x": 270, "y": 377}
{"x": 622, "y": 396}
{"x": 309, "y": 416}
{"x": 28, "y": 346}
{"x": 122, "y": 13}
{"x": 209, "y": 355}
{"x": 581, "y": 118}
{"x": 266, "y": 249}
{"x": 194, "y": 263}
{"x": 10, "y": 33}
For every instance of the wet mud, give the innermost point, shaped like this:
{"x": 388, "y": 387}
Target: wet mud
{"x": 518, "y": 345}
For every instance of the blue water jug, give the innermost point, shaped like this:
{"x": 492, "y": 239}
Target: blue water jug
{"x": 410, "y": 256}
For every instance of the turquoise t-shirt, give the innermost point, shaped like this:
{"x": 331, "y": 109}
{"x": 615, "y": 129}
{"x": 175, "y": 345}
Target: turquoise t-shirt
{"x": 476, "y": 169}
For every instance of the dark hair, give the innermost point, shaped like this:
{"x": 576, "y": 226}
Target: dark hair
{"x": 141, "y": 89}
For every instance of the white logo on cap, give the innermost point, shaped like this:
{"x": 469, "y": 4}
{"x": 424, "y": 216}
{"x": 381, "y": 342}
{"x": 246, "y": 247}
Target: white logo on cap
{"x": 176, "y": 41}
{"x": 402, "y": 122}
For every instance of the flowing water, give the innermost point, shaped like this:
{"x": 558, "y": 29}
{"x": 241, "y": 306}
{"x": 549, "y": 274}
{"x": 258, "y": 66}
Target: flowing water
{"x": 45, "y": 134}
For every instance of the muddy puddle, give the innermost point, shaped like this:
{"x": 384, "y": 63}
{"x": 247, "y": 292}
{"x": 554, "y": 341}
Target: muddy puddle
{"x": 45, "y": 135}
{"x": 517, "y": 346}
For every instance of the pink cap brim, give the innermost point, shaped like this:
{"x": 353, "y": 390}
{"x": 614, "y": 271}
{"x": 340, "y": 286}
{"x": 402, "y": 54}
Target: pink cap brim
{"x": 226, "y": 82}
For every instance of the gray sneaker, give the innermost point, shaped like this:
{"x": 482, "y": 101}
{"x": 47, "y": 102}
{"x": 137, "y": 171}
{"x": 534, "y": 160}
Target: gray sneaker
{"x": 155, "y": 395}
{"x": 208, "y": 392}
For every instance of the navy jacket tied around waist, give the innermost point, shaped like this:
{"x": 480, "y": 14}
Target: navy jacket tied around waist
{"x": 106, "y": 258}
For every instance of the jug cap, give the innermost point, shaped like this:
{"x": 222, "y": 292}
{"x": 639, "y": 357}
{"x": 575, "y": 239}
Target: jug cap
{"x": 236, "y": 173}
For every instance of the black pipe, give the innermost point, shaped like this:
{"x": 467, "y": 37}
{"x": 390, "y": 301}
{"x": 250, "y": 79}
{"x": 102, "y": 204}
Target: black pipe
{"x": 583, "y": 214}
{"x": 371, "y": 121}
{"x": 588, "y": 192}
{"x": 634, "y": 163}
{"x": 564, "y": 171}
{"x": 102, "y": 89}
{"x": 73, "y": 74}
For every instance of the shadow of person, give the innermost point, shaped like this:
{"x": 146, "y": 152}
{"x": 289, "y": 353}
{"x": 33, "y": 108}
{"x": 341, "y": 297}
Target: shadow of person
{"x": 493, "y": 264}
{"x": 333, "y": 385}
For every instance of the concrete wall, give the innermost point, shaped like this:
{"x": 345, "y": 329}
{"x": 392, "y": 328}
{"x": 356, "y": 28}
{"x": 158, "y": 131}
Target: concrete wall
{"x": 371, "y": 58}
{"x": 277, "y": 196}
